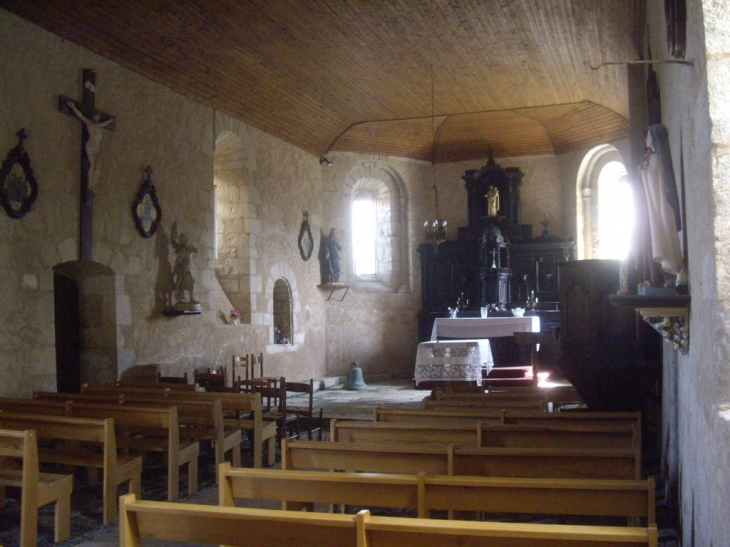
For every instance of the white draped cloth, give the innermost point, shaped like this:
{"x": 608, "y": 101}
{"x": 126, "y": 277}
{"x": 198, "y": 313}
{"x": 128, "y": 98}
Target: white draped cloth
{"x": 453, "y": 361}
{"x": 665, "y": 246}
{"x": 467, "y": 328}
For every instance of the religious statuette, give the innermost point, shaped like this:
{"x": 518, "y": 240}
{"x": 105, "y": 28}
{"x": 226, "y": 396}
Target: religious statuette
{"x": 329, "y": 258}
{"x": 492, "y": 198}
{"x": 18, "y": 187}
{"x": 146, "y": 209}
{"x": 306, "y": 241}
{"x": 184, "y": 272}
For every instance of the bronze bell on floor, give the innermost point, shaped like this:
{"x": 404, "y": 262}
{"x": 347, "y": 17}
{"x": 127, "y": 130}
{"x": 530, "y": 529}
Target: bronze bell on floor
{"x": 354, "y": 380}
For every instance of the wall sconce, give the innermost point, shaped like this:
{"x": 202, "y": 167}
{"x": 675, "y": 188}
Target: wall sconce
{"x": 324, "y": 160}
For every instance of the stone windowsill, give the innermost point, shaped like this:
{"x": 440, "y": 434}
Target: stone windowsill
{"x": 281, "y": 348}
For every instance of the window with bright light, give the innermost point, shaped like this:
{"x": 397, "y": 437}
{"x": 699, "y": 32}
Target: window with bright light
{"x": 363, "y": 234}
{"x": 615, "y": 212}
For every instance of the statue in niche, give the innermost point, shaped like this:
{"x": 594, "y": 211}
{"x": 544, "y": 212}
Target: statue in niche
{"x": 184, "y": 271}
{"x": 492, "y": 198}
{"x": 329, "y": 258}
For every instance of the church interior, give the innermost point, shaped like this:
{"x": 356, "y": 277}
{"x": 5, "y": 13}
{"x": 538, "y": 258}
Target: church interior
{"x": 322, "y": 186}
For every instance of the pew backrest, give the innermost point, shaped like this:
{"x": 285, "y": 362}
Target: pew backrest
{"x": 263, "y": 528}
{"x": 404, "y": 433}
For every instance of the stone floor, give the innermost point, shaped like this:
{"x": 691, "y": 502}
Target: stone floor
{"x": 337, "y": 404}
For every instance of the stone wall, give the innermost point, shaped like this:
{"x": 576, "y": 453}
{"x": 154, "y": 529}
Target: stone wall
{"x": 696, "y": 111}
{"x": 177, "y": 137}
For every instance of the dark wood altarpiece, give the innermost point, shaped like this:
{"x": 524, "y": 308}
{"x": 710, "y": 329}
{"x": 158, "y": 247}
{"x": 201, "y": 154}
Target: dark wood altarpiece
{"x": 494, "y": 260}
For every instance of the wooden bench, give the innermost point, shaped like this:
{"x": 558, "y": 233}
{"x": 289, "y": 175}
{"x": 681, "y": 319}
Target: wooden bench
{"x": 37, "y": 489}
{"x": 150, "y": 430}
{"x": 485, "y": 462}
{"x": 553, "y": 396}
{"x": 370, "y": 458}
{"x": 575, "y": 497}
{"x": 235, "y": 404}
{"x": 138, "y": 428}
{"x": 67, "y": 441}
{"x": 172, "y": 386}
{"x": 491, "y": 416}
{"x": 263, "y": 528}
{"x": 199, "y": 419}
{"x": 525, "y": 403}
{"x": 405, "y": 433}
{"x": 477, "y": 434}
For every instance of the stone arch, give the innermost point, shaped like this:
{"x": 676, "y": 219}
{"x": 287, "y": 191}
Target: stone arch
{"x": 587, "y": 232}
{"x": 392, "y": 251}
{"x": 283, "y": 271}
{"x": 234, "y": 216}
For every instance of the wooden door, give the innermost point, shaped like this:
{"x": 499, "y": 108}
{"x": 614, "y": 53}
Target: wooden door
{"x": 68, "y": 335}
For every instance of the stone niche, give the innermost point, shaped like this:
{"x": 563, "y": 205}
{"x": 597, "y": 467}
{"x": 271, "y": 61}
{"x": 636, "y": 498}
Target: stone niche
{"x": 90, "y": 307}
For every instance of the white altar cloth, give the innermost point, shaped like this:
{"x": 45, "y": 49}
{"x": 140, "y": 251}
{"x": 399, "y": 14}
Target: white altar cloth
{"x": 467, "y": 328}
{"x": 453, "y": 361}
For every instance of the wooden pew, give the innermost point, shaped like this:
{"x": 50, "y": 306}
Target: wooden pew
{"x": 524, "y": 403}
{"x": 485, "y": 462}
{"x": 150, "y": 430}
{"x": 37, "y": 489}
{"x": 370, "y": 458}
{"x": 263, "y": 528}
{"x": 551, "y": 396}
{"x": 296, "y": 489}
{"x": 64, "y": 441}
{"x": 237, "y": 404}
{"x": 575, "y": 497}
{"x": 491, "y": 416}
{"x": 199, "y": 419}
{"x": 153, "y": 429}
{"x": 478, "y": 434}
{"x": 634, "y": 499}
{"x": 351, "y": 431}
{"x": 157, "y": 385}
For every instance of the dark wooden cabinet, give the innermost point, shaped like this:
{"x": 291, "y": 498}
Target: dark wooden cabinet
{"x": 604, "y": 352}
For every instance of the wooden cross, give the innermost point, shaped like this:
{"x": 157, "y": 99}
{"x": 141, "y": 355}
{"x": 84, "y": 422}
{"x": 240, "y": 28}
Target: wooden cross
{"x": 93, "y": 121}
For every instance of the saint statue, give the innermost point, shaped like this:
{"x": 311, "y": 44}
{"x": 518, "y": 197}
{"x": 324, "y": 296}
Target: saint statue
{"x": 184, "y": 271}
{"x": 329, "y": 258}
{"x": 492, "y": 198}
{"x": 92, "y": 146}
{"x": 662, "y": 202}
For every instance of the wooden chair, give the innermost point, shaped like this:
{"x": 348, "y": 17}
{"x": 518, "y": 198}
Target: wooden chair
{"x": 277, "y": 411}
{"x": 239, "y": 364}
{"x": 172, "y": 379}
{"x": 210, "y": 379}
{"x": 37, "y": 489}
{"x": 312, "y": 418}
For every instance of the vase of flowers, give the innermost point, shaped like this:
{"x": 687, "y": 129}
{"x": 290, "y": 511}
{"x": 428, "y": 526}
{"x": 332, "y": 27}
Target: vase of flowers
{"x": 235, "y": 317}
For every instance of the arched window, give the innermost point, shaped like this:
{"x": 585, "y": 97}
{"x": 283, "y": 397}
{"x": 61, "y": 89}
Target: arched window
{"x": 605, "y": 207}
{"x": 615, "y": 212}
{"x": 379, "y": 230}
{"x": 363, "y": 234}
{"x": 282, "y": 312}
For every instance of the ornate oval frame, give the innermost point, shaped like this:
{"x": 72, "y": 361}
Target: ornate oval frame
{"x": 15, "y": 189}
{"x": 305, "y": 241}
{"x": 146, "y": 208}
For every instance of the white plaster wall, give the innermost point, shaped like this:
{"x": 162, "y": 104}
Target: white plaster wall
{"x": 175, "y": 135}
{"x": 696, "y": 108}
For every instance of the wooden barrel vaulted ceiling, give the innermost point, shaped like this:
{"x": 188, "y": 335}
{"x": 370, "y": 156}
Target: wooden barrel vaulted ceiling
{"x": 438, "y": 80}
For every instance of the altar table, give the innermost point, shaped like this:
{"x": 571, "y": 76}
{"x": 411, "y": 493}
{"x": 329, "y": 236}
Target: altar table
{"x": 487, "y": 327}
{"x": 453, "y": 361}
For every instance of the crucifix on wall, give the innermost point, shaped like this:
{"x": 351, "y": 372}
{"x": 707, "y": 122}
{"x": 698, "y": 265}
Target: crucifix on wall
{"x": 93, "y": 123}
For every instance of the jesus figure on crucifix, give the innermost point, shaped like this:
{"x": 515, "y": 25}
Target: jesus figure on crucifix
{"x": 92, "y": 147}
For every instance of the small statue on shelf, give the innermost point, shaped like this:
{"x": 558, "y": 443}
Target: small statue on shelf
{"x": 492, "y": 198}
{"x": 184, "y": 271}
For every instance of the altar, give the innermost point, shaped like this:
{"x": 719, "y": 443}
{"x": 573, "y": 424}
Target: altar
{"x": 469, "y": 328}
{"x": 453, "y": 361}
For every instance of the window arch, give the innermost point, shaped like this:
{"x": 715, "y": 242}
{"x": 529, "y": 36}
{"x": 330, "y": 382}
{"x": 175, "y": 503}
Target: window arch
{"x": 379, "y": 249}
{"x": 604, "y": 212}
{"x": 283, "y": 317}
